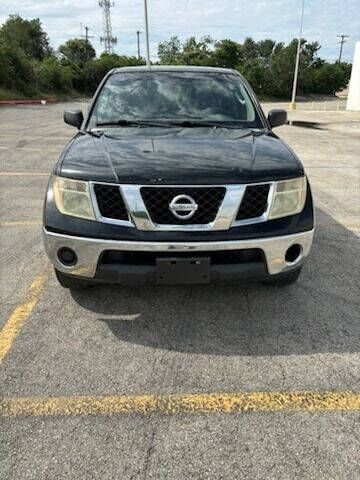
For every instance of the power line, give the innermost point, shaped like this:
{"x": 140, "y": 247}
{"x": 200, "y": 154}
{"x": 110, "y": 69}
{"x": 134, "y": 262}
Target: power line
{"x": 342, "y": 41}
{"x": 108, "y": 38}
{"x": 86, "y": 36}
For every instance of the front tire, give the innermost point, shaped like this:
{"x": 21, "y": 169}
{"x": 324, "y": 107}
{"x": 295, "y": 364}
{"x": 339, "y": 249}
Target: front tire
{"x": 284, "y": 279}
{"x": 73, "y": 283}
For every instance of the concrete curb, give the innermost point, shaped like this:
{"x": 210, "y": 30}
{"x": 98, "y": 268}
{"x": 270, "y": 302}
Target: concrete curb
{"x": 28, "y": 101}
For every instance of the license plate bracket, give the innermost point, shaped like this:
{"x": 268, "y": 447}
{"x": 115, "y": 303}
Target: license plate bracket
{"x": 183, "y": 271}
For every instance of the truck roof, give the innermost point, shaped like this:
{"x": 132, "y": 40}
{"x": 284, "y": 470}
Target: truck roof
{"x": 174, "y": 68}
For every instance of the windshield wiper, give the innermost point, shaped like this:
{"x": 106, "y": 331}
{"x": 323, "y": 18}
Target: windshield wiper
{"x": 134, "y": 123}
{"x": 195, "y": 124}
{"x": 171, "y": 123}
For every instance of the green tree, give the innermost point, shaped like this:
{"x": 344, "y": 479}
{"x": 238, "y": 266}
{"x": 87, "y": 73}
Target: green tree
{"x": 16, "y": 72}
{"x": 281, "y": 71}
{"x": 27, "y": 35}
{"x": 268, "y": 66}
{"x": 283, "y": 64}
{"x": 265, "y": 49}
{"x": 329, "y": 78}
{"x": 250, "y": 49}
{"x": 78, "y": 50}
{"x": 257, "y": 74}
{"x": 169, "y": 53}
{"x": 198, "y": 52}
{"x": 52, "y": 76}
{"x": 96, "y": 69}
{"x": 191, "y": 52}
{"x": 227, "y": 53}
{"x": 28, "y": 66}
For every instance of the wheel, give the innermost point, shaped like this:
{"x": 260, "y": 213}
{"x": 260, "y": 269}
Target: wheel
{"x": 68, "y": 281}
{"x": 284, "y": 279}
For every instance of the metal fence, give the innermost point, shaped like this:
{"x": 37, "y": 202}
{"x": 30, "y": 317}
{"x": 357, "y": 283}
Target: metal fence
{"x": 318, "y": 105}
{"x": 325, "y": 105}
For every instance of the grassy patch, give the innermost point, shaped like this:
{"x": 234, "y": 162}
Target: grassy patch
{"x": 6, "y": 94}
{"x": 268, "y": 98}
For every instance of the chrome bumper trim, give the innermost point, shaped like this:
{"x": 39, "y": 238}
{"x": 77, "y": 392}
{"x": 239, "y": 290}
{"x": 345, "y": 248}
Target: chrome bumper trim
{"x": 88, "y": 250}
{"x": 139, "y": 216}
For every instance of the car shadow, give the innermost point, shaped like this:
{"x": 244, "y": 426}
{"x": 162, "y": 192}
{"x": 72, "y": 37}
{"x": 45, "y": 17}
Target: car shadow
{"x": 320, "y": 313}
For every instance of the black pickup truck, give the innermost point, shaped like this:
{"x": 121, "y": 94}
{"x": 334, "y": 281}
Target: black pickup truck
{"x": 176, "y": 177}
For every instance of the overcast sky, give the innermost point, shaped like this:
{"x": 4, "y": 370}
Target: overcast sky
{"x": 235, "y": 19}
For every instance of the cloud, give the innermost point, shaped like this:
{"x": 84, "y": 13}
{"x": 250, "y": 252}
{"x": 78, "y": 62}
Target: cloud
{"x": 277, "y": 19}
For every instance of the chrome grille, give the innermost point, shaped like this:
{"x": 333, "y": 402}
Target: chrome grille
{"x": 157, "y": 202}
{"x": 110, "y": 201}
{"x": 254, "y": 202}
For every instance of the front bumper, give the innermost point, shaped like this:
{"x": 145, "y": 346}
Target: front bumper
{"x": 90, "y": 250}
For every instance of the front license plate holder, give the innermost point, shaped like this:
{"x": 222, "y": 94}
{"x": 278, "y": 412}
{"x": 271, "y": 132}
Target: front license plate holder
{"x": 183, "y": 271}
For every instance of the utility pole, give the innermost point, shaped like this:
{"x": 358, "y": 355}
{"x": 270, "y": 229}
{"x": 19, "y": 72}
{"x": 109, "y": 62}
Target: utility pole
{"x": 147, "y": 34}
{"x": 292, "y": 105}
{"x": 342, "y": 41}
{"x": 108, "y": 38}
{"x": 138, "y": 42}
{"x": 86, "y": 36}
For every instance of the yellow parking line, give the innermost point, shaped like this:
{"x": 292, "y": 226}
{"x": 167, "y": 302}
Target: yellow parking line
{"x": 16, "y": 224}
{"x": 21, "y": 313}
{"x": 27, "y": 174}
{"x": 182, "y": 403}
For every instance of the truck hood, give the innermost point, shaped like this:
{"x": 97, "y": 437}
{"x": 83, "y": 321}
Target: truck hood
{"x": 179, "y": 156}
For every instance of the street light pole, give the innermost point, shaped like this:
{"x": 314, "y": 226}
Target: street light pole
{"x": 147, "y": 34}
{"x": 292, "y": 105}
{"x": 138, "y": 42}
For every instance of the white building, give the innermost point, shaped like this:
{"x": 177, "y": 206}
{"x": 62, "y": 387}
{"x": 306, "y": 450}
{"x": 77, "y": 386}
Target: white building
{"x": 353, "y": 101}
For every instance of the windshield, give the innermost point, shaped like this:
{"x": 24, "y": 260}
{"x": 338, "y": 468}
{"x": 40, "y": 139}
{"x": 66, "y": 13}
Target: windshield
{"x": 175, "y": 97}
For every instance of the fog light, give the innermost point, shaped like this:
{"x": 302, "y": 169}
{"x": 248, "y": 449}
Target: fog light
{"x": 293, "y": 253}
{"x": 67, "y": 256}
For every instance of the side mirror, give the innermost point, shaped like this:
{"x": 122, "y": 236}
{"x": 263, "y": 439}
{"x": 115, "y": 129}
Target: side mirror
{"x": 277, "y": 117}
{"x": 74, "y": 117}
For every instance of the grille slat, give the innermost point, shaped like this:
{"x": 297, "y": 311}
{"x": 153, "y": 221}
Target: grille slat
{"x": 110, "y": 202}
{"x": 254, "y": 202}
{"x": 157, "y": 202}
{"x": 157, "y": 199}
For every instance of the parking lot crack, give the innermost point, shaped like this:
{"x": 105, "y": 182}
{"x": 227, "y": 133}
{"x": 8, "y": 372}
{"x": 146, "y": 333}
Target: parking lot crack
{"x": 148, "y": 455}
{"x": 247, "y": 302}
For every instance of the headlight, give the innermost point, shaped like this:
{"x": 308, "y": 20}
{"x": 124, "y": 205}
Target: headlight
{"x": 289, "y": 197}
{"x": 72, "y": 197}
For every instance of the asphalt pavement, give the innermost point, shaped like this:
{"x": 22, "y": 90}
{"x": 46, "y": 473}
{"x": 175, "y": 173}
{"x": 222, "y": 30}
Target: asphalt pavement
{"x": 180, "y": 382}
